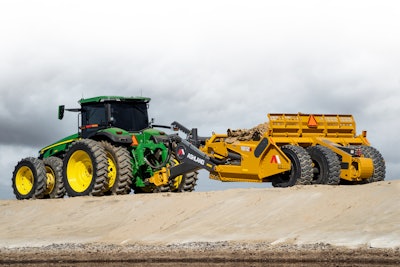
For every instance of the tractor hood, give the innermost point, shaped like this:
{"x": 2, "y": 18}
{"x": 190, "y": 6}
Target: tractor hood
{"x": 58, "y": 147}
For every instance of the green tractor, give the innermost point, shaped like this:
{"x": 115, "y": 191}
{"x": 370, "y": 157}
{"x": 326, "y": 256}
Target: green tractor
{"x": 116, "y": 150}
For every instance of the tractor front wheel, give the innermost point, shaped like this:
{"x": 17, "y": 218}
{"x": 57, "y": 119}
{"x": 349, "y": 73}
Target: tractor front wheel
{"x": 54, "y": 181}
{"x": 85, "y": 169}
{"x": 29, "y": 179}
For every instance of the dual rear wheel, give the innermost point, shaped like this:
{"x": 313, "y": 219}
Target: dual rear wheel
{"x": 320, "y": 165}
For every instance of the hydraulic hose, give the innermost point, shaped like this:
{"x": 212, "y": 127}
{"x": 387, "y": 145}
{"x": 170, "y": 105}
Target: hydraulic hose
{"x": 162, "y": 164}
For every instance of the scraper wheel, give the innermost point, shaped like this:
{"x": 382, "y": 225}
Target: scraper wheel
{"x": 301, "y": 168}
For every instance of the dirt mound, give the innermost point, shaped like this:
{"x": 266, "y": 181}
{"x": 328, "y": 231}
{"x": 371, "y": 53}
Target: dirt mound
{"x": 254, "y": 133}
{"x": 352, "y": 216}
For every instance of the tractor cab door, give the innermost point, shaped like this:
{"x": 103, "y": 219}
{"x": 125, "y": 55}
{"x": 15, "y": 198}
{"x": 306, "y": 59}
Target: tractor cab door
{"x": 93, "y": 118}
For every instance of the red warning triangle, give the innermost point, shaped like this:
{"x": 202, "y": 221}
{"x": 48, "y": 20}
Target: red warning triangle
{"x": 276, "y": 159}
{"x": 312, "y": 122}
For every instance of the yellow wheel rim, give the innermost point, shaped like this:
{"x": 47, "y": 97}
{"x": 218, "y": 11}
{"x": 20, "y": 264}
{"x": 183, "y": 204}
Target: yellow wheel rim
{"x": 178, "y": 179}
{"x": 112, "y": 170}
{"x": 24, "y": 180}
{"x": 51, "y": 180}
{"x": 79, "y": 171}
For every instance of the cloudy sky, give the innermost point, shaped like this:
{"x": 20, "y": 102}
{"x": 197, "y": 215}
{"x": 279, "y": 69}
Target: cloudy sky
{"x": 208, "y": 64}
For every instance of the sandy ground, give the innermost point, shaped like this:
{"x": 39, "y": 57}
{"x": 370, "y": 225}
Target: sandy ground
{"x": 315, "y": 219}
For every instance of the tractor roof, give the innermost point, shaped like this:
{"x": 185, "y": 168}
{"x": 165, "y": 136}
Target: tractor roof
{"x": 113, "y": 99}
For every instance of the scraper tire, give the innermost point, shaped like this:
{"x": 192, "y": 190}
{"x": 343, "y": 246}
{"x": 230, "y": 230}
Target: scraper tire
{"x": 326, "y": 165}
{"x": 378, "y": 161}
{"x": 301, "y": 168}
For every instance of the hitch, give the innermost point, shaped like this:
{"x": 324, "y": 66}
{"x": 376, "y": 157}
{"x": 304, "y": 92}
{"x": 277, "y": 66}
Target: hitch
{"x": 160, "y": 177}
{"x": 191, "y": 135}
{"x": 190, "y": 159}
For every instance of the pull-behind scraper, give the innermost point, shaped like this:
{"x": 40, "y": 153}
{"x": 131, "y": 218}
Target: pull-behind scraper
{"x": 117, "y": 150}
{"x": 292, "y": 149}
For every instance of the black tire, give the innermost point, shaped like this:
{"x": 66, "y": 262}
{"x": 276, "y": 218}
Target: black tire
{"x": 121, "y": 177}
{"x": 301, "y": 171}
{"x": 54, "y": 178}
{"x": 183, "y": 183}
{"x": 85, "y": 169}
{"x": 29, "y": 179}
{"x": 188, "y": 182}
{"x": 378, "y": 161}
{"x": 326, "y": 165}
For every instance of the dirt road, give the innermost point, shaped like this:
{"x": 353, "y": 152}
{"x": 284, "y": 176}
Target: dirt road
{"x": 332, "y": 221}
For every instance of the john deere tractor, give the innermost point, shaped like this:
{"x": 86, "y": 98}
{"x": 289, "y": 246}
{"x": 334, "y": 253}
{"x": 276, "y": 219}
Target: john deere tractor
{"x": 115, "y": 150}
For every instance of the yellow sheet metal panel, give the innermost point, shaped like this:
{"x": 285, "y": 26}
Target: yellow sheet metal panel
{"x": 253, "y": 166}
{"x": 302, "y": 125}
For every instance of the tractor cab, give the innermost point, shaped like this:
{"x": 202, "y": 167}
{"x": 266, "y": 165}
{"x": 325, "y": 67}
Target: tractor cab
{"x": 127, "y": 113}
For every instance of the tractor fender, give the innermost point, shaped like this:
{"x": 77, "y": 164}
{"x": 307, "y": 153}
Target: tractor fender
{"x": 113, "y": 137}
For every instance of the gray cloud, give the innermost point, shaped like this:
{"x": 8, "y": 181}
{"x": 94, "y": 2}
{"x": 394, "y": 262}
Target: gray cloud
{"x": 226, "y": 71}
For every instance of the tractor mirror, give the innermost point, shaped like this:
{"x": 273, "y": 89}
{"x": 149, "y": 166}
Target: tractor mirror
{"x": 61, "y": 112}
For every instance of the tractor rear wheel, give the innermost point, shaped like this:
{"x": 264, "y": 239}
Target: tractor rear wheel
{"x": 378, "y": 162}
{"x": 29, "y": 179}
{"x": 54, "y": 181}
{"x": 301, "y": 168}
{"x": 85, "y": 169}
{"x": 326, "y": 165}
{"x": 119, "y": 169}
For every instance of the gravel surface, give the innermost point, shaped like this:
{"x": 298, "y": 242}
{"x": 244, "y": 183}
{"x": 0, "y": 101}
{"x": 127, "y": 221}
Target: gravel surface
{"x": 198, "y": 253}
